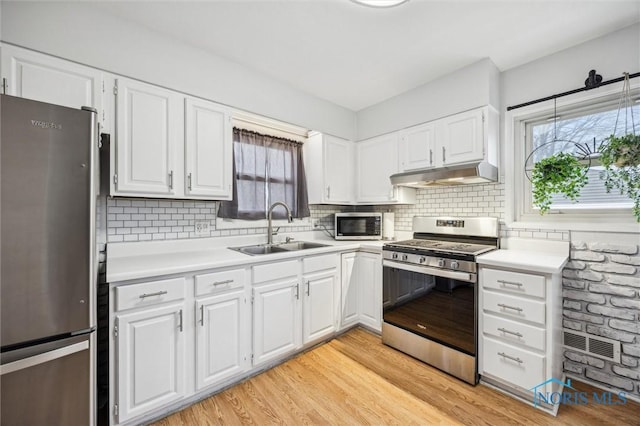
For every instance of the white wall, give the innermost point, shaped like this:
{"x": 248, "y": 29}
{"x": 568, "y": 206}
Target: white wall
{"x": 610, "y": 55}
{"x": 76, "y": 31}
{"x": 469, "y": 87}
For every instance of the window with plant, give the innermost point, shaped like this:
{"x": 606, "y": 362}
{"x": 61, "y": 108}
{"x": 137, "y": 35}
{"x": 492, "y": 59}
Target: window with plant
{"x": 571, "y": 159}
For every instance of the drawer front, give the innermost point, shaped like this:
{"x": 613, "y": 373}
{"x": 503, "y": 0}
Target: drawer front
{"x": 319, "y": 263}
{"x": 514, "y": 307}
{"x": 517, "y": 366}
{"x": 513, "y": 282}
{"x": 514, "y": 331}
{"x": 216, "y": 282}
{"x": 149, "y": 293}
{"x": 275, "y": 271}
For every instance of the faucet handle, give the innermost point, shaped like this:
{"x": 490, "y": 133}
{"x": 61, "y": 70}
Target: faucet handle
{"x": 276, "y": 231}
{"x": 289, "y": 239}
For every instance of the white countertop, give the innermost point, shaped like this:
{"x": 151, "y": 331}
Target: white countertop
{"x": 128, "y": 261}
{"x": 527, "y": 254}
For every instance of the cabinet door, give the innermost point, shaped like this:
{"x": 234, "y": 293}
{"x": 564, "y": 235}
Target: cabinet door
{"x": 319, "y": 305}
{"x": 149, "y": 128}
{"x": 276, "y": 320}
{"x": 350, "y": 291}
{"x": 338, "y": 170}
{"x": 222, "y": 337}
{"x": 44, "y": 78}
{"x": 418, "y": 147}
{"x": 377, "y": 160}
{"x": 369, "y": 267}
{"x": 208, "y": 148}
{"x": 462, "y": 137}
{"x": 150, "y": 363}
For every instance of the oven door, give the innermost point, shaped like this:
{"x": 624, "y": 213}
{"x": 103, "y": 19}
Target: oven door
{"x": 439, "y": 305}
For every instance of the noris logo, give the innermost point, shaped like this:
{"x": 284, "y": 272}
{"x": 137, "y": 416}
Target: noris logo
{"x": 571, "y": 396}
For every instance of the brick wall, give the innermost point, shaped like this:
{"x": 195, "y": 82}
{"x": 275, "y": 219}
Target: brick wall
{"x": 601, "y": 296}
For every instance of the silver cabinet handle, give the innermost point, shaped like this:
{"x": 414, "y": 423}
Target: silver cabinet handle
{"x": 157, "y": 293}
{"x": 444, "y": 151}
{"x": 189, "y": 181}
{"x": 298, "y": 291}
{"x": 217, "y": 283}
{"x": 504, "y": 282}
{"x": 171, "y": 179}
{"x": 180, "y": 316}
{"x": 518, "y": 360}
{"x": 515, "y": 333}
{"x": 430, "y": 156}
{"x": 328, "y": 192}
{"x": 308, "y": 288}
{"x": 202, "y": 315}
{"x": 503, "y": 306}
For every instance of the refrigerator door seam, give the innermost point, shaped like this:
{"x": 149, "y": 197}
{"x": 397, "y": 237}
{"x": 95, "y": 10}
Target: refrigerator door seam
{"x": 42, "y": 358}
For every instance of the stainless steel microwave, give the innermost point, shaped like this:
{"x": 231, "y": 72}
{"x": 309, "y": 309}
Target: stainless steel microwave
{"x": 358, "y": 226}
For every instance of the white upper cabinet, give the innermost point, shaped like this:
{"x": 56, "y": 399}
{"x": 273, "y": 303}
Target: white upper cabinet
{"x": 462, "y": 137}
{"x": 208, "y": 146}
{"x": 328, "y": 164}
{"x": 417, "y": 147}
{"x": 149, "y": 129}
{"x": 377, "y": 159}
{"x": 43, "y": 78}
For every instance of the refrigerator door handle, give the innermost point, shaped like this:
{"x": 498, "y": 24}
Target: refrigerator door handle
{"x": 43, "y": 357}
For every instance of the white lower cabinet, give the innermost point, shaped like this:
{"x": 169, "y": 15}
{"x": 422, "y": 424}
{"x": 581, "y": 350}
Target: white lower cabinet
{"x": 361, "y": 282}
{"x": 276, "y": 319}
{"x": 520, "y": 344}
{"x": 150, "y": 359}
{"x": 222, "y": 337}
{"x": 370, "y": 282}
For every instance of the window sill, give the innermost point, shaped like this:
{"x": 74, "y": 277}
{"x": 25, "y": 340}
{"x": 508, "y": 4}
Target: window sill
{"x": 591, "y": 224}
{"x": 263, "y": 223}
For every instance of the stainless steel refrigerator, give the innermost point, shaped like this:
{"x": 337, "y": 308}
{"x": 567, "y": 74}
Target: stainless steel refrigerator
{"x": 47, "y": 263}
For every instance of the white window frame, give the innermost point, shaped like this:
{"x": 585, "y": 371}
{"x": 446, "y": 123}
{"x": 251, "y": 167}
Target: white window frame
{"x": 518, "y": 215}
{"x": 265, "y": 126}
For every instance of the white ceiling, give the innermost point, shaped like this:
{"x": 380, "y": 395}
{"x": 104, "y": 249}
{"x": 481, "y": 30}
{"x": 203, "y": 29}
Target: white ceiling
{"x": 357, "y": 56}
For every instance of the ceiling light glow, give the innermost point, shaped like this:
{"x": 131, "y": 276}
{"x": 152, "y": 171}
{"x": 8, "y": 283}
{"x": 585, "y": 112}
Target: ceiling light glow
{"x": 380, "y": 3}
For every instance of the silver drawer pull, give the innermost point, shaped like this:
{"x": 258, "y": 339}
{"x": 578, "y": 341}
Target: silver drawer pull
{"x": 515, "y": 333}
{"x": 503, "y": 282}
{"x": 222, "y": 282}
{"x": 158, "y": 293}
{"x": 503, "y": 306}
{"x": 518, "y": 360}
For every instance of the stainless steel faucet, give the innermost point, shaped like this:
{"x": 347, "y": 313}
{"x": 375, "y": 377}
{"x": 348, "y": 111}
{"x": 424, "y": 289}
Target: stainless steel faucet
{"x": 270, "y": 226}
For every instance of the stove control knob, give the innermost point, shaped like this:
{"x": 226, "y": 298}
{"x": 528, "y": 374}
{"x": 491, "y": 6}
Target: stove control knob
{"x": 441, "y": 263}
{"x": 423, "y": 259}
{"x": 394, "y": 256}
{"x": 455, "y": 264}
{"x": 405, "y": 257}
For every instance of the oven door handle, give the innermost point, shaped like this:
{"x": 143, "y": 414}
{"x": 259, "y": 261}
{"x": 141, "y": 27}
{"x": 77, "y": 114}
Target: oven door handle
{"x": 427, "y": 270}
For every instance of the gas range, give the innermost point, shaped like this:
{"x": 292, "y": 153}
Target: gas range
{"x": 445, "y": 243}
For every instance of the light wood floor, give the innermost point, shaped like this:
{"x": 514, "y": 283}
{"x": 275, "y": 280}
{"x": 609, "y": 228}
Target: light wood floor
{"x": 355, "y": 380}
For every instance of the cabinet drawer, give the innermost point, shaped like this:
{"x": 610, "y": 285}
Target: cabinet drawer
{"x": 149, "y": 293}
{"x": 513, "y": 365}
{"x": 514, "y": 307}
{"x": 514, "y": 282}
{"x": 218, "y": 281}
{"x": 275, "y": 271}
{"x": 319, "y": 263}
{"x": 514, "y": 331}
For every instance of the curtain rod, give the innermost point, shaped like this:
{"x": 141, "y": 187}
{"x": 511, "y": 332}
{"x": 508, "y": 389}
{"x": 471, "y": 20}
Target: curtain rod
{"x": 594, "y": 80}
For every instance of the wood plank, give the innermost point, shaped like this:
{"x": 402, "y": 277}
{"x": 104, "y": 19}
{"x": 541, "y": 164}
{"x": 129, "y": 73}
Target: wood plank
{"x": 356, "y": 380}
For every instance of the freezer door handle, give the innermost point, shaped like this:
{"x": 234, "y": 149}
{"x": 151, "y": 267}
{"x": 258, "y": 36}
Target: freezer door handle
{"x": 43, "y": 357}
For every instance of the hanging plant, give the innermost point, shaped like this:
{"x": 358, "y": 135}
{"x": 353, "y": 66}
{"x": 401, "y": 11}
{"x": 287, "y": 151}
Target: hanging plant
{"x": 560, "y": 173}
{"x": 620, "y": 157}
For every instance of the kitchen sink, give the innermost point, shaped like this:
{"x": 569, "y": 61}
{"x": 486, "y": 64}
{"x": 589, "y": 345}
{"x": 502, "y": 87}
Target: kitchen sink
{"x": 260, "y": 249}
{"x": 300, "y": 245}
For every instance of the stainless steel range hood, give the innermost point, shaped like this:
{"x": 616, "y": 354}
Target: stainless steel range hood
{"x": 481, "y": 172}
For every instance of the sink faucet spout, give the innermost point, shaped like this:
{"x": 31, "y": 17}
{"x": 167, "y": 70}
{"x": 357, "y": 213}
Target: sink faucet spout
{"x": 270, "y": 219}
